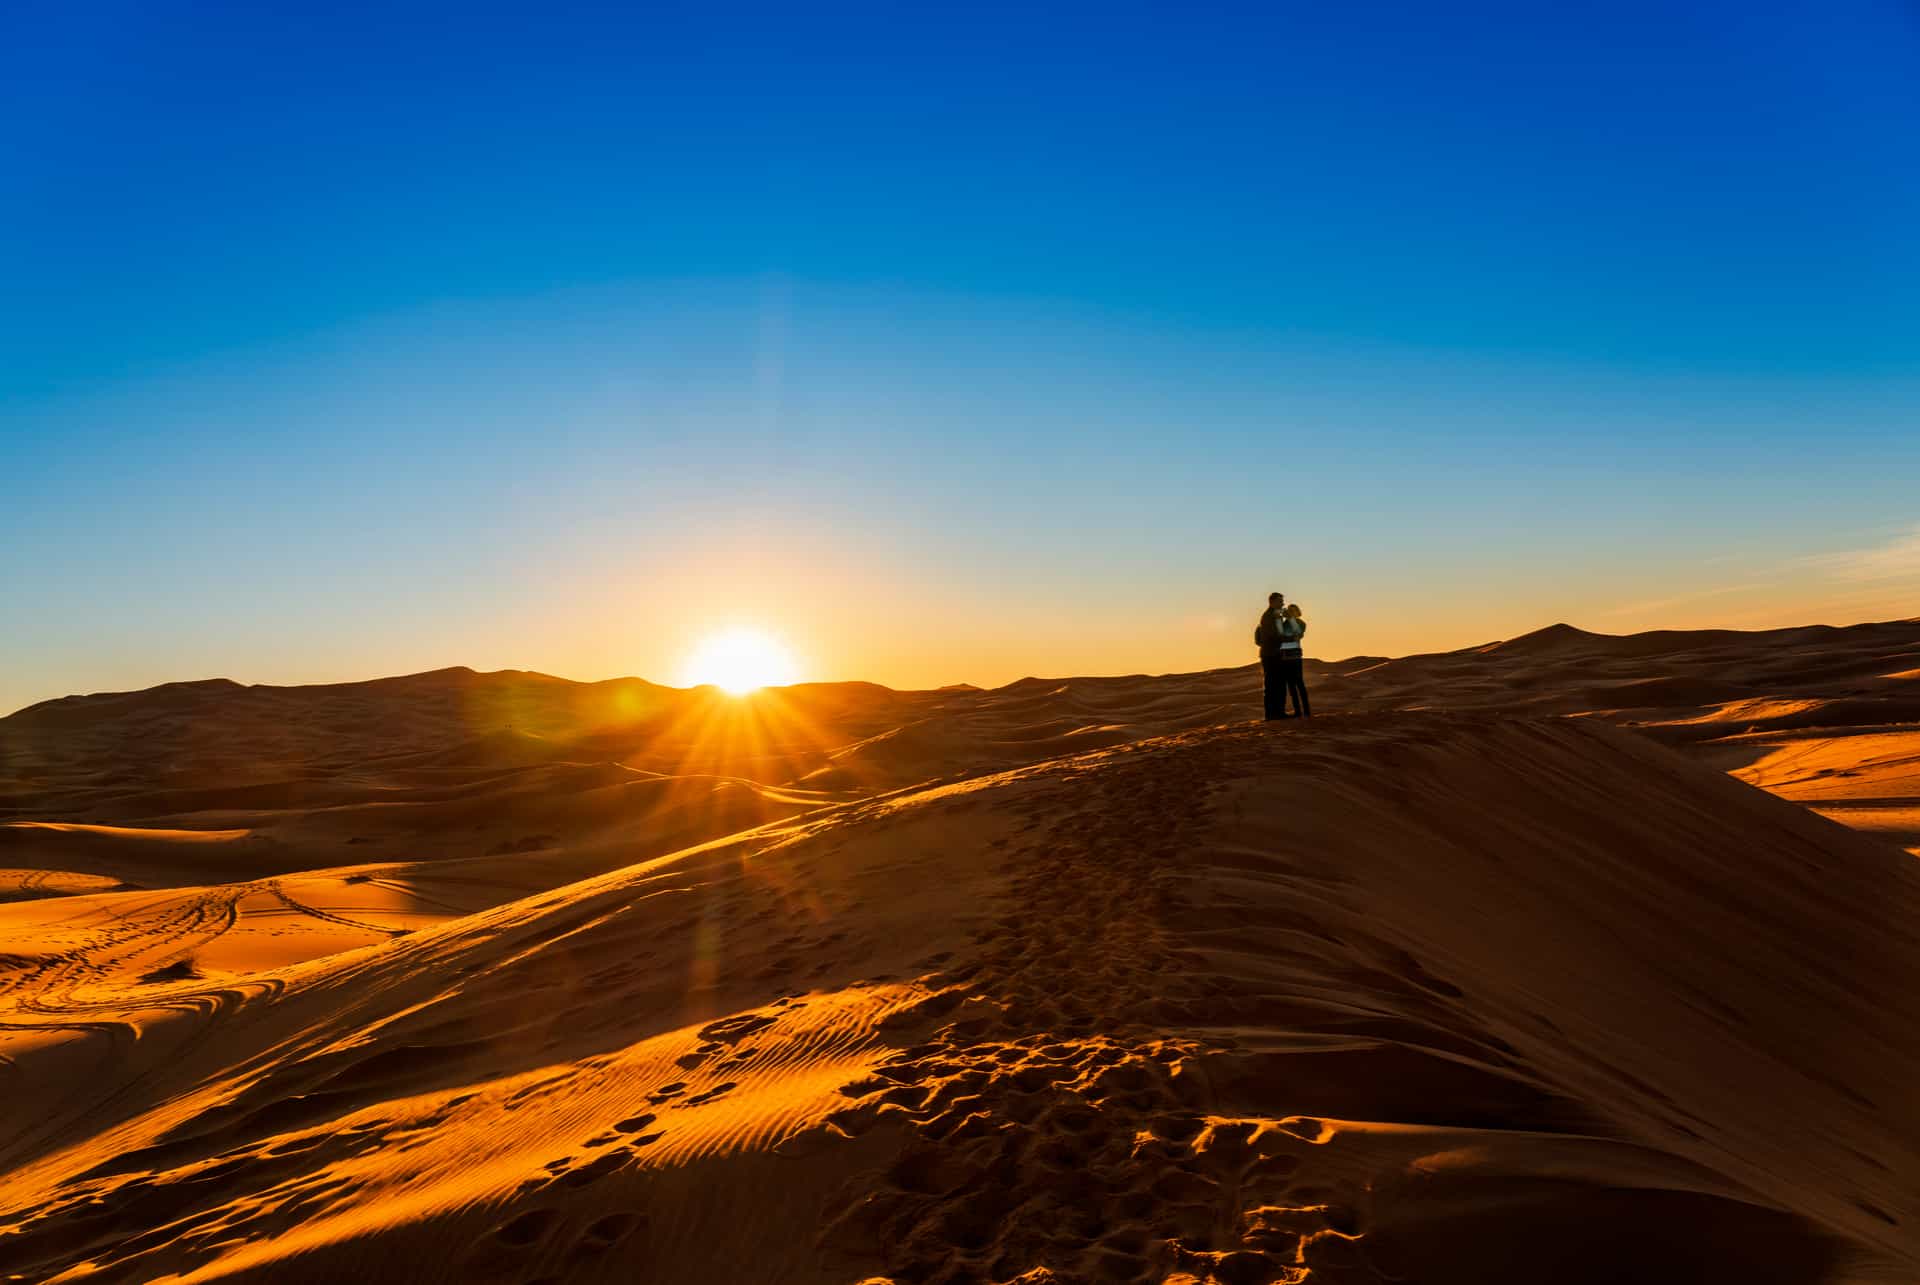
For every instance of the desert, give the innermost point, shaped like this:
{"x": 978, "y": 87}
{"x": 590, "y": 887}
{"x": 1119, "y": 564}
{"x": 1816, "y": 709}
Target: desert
{"x": 1572, "y": 957}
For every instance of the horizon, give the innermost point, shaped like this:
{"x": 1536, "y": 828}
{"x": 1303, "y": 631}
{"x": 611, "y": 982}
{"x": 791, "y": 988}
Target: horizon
{"x": 958, "y": 684}
{"x": 945, "y": 348}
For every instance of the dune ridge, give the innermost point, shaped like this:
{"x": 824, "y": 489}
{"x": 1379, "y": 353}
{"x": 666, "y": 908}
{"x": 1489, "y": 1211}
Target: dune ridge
{"x": 503, "y": 978}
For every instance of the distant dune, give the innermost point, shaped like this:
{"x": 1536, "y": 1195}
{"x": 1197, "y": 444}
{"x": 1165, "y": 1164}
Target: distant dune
{"x": 1498, "y": 972}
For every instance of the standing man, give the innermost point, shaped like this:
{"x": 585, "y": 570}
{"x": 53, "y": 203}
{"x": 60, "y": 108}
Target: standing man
{"x": 1266, "y": 636}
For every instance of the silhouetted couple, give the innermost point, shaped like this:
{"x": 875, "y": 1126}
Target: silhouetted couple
{"x": 1282, "y": 658}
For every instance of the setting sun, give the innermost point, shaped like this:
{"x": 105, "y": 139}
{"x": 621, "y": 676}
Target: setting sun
{"x": 739, "y": 661}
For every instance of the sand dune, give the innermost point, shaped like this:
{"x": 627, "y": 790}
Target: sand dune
{"x": 498, "y": 977}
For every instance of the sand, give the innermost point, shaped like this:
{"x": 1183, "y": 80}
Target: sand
{"x": 1500, "y": 971}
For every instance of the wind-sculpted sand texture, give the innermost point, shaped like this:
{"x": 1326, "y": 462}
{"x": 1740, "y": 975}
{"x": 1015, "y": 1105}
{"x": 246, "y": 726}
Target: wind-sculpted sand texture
{"x": 496, "y": 977}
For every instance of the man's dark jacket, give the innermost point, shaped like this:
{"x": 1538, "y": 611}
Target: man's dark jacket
{"x": 1267, "y": 634}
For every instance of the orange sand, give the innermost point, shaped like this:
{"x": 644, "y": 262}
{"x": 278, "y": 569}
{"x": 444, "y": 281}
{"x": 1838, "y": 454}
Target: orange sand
{"x": 502, "y": 978}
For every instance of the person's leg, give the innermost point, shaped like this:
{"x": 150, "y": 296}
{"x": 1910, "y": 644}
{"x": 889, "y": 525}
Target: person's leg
{"x": 1275, "y": 691}
{"x": 1297, "y": 688}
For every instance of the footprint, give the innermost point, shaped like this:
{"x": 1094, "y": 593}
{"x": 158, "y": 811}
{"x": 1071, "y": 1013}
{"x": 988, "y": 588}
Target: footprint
{"x": 529, "y": 1228}
{"x": 733, "y": 1029}
{"x": 855, "y": 1120}
{"x": 607, "y": 1232}
{"x": 595, "y": 1171}
{"x": 634, "y": 1123}
{"x": 710, "y": 1094}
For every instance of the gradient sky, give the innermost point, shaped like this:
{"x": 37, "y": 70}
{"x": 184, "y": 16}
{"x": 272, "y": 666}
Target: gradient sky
{"x": 951, "y": 345}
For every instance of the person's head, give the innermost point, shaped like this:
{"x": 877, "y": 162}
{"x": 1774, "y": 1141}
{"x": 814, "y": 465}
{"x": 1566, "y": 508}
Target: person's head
{"x": 1276, "y": 600}
{"x": 1293, "y": 609}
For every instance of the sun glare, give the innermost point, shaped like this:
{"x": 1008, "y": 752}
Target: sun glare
{"x": 739, "y": 661}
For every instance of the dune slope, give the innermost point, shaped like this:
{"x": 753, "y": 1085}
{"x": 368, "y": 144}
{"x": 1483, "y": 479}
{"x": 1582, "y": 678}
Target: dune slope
{"x": 1407, "y": 997}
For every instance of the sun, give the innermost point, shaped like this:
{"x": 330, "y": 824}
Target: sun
{"x": 738, "y": 661}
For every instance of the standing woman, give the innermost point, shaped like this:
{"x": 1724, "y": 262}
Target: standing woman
{"x": 1293, "y": 660}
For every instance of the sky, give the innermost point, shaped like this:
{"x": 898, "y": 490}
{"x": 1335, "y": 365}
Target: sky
{"x": 947, "y": 344}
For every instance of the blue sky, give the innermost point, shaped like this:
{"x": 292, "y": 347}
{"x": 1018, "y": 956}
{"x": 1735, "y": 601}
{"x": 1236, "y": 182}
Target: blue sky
{"x": 950, "y": 345}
